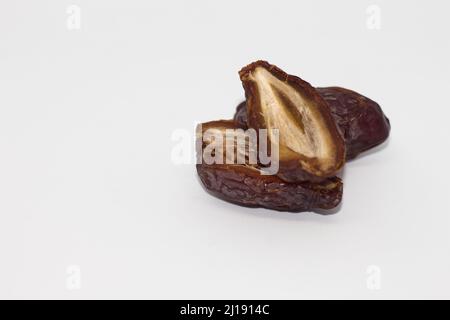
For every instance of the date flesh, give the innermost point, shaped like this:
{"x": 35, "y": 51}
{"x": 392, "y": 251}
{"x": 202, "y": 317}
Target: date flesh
{"x": 310, "y": 145}
{"x": 207, "y": 136}
{"x": 360, "y": 120}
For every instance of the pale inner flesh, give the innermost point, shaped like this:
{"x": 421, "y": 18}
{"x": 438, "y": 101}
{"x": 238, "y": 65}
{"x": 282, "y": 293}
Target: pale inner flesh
{"x": 300, "y": 126}
{"x": 237, "y": 144}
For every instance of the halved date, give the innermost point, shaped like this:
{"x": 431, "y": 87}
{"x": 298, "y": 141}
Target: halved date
{"x": 360, "y": 120}
{"x": 310, "y": 145}
{"x": 244, "y": 184}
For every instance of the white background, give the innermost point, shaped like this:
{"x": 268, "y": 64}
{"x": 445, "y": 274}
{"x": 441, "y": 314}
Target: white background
{"x": 86, "y": 177}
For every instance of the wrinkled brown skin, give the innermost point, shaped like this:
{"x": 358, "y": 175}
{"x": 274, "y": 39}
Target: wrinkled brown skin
{"x": 360, "y": 120}
{"x": 245, "y": 186}
{"x": 290, "y": 169}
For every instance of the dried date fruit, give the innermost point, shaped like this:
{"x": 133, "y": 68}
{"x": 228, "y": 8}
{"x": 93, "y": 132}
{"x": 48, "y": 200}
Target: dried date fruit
{"x": 244, "y": 184}
{"x": 310, "y": 145}
{"x": 360, "y": 120}
{"x": 317, "y": 130}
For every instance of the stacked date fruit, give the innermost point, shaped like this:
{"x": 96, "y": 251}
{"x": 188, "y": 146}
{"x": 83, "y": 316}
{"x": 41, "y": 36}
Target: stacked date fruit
{"x": 318, "y": 129}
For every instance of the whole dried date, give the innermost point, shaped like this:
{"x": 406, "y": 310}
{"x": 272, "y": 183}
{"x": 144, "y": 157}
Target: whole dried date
{"x": 310, "y": 145}
{"x": 360, "y": 120}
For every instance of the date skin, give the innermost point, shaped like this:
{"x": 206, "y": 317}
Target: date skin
{"x": 245, "y": 186}
{"x": 360, "y": 120}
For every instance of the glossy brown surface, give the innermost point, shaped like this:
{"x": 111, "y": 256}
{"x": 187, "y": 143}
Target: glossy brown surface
{"x": 245, "y": 186}
{"x": 360, "y": 120}
{"x": 310, "y": 145}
